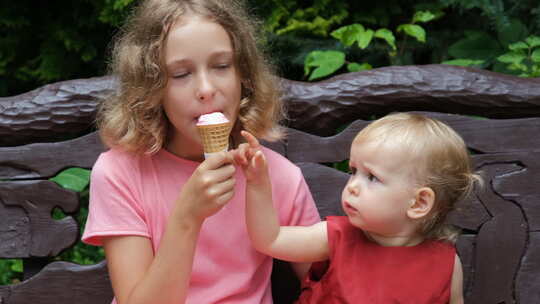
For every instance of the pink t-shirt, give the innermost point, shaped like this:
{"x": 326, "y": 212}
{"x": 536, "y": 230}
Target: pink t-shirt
{"x": 133, "y": 195}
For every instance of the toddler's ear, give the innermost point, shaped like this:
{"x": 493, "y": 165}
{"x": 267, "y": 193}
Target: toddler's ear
{"x": 422, "y": 203}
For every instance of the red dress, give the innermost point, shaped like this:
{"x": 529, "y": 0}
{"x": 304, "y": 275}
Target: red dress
{"x": 361, "y": 271}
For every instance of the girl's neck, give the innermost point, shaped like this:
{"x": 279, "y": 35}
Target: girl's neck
{"x": 191, "y": 153}
{"x": 395, "y": 241}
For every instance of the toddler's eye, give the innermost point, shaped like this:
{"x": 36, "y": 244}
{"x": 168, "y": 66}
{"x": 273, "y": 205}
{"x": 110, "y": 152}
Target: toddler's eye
{"x": 372, "y": 178}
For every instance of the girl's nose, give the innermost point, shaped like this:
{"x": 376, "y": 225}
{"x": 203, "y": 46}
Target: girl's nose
{"x": 206, "y": 89}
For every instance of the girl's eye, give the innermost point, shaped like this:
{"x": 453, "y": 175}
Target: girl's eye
{"x": 180, "y": 75}
{"x": 223, "y": 66}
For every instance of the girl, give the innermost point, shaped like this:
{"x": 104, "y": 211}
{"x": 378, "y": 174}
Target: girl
{"x": 155, "y": 205}
{"x": 407, "y": 173}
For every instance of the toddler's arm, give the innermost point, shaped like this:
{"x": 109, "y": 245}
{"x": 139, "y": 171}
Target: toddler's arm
{"x": 456, "y": 292}
{"x": 289, "y": 243}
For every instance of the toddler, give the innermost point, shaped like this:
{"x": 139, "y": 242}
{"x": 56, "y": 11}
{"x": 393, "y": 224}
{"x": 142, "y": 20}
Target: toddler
{"x": 394, "y": 245}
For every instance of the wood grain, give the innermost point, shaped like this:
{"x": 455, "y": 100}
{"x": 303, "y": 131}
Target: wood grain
{"x": 31, "y": 230}
{"x": 61, "y": 282}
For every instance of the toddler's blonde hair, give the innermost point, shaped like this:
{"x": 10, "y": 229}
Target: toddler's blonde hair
{"x": 441, "y": 162}
{"x": 133, "y": 118}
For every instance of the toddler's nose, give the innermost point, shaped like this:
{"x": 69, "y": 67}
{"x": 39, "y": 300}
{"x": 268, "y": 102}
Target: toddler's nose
{"x": 352, "y": 187}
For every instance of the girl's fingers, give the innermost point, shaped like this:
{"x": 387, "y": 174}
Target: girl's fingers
{"x": 223, "y": 173}
{"x": 216, "y": 161}
{"x": 223, "y": 191}
{"x": 225, "y": 198}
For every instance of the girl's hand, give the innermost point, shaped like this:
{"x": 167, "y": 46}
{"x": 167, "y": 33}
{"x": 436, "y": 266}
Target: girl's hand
{"x": 209, "y": 188}
{"x": 251, "y": 159}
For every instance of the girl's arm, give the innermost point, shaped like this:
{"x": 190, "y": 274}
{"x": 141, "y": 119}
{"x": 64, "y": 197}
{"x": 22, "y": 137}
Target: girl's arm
{"x": 289, "y": 243}
{"x": 139, "y": 276}
{"x": 456, "y": 292}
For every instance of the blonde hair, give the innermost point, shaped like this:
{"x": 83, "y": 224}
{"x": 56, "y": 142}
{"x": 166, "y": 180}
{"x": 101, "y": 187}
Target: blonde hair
{"x": 443, "y": 164}
{"x": 133, "y": 119}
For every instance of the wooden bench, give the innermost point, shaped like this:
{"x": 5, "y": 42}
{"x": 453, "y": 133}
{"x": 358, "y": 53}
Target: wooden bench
{"x": 500, "y": 245}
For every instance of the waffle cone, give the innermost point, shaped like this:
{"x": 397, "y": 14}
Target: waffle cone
{"x": 215, "y": 138}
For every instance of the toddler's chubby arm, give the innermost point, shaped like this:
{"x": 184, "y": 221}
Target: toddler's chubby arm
{"x": 289, "y": 243}
{"x": 456, "y": 292}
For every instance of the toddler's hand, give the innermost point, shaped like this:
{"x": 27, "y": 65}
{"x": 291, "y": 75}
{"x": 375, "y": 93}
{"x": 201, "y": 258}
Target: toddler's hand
{"x": 251, "y": 159}
{"x": 209, "y": 188}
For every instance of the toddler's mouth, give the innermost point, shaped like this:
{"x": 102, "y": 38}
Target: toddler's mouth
{"x": 348, "y": 207}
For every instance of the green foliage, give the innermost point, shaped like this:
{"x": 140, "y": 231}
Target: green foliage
{"x": 75, "y": 179}
{"x": 44, "y": 42}
{"x": 342, "y": 166}
{"x": 507, "y": 22}
{"x": 288, "y": 16}
{"x": 524, "y": 57}
{"x": 47, "y": 41}
{"x": 482, "y": 46}
{"x": 356, "y": 35}
{"x": 324, "y": 62}
{"x": 11, "y": 271}
{"x": 382, "y": 33}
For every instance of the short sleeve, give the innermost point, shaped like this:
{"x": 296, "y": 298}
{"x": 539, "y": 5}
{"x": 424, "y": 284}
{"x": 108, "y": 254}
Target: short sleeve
{"x": 336, "y": 227}
{"x": 304, "y": 212}
{"x": 291, "y": 194}
{"x": 114, "y": 206}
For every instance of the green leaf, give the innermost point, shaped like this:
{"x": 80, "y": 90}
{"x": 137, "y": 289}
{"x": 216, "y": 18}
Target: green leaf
{"x": 17, "y": 265}
{"x": 518, "y": 46}
{"x": 476, "y": 45}
{"x": 387, "y": 36}
{"x": 353, "y": 33}
{"x": 413, "y": 30}
{"x": 58, "y": 214}
{"x": 364, "y": 38}
{"x": 518, "y": 67}
{"x": 512, "y": 57}
{"x": 120, "y": 4}
{"x": 325, "y": 63}
{"x": 464, "y": 62}
{"x": 533, "y": 41}
{"x": 423, "y": 16}
{"x": 510, "y": 32}
{"x": 535, "y": 56}
{"x": 356, "y": 67}
{"x": 75, "y": 179}
{"x": 348, "y": 34}
{"x": 342, "y": 166}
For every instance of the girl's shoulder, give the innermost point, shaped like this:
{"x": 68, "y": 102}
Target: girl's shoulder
{"x": 278, "y": 161}
{"x": 119, "y": 157}
{"x": 116, "y": 162}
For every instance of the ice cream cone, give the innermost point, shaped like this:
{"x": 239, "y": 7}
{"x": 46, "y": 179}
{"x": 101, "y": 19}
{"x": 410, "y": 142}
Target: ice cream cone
{"x": 215, "y": 136}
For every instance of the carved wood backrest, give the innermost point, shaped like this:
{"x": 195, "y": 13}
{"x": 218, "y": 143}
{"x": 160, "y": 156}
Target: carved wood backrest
{"x": 500, "y": 246}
